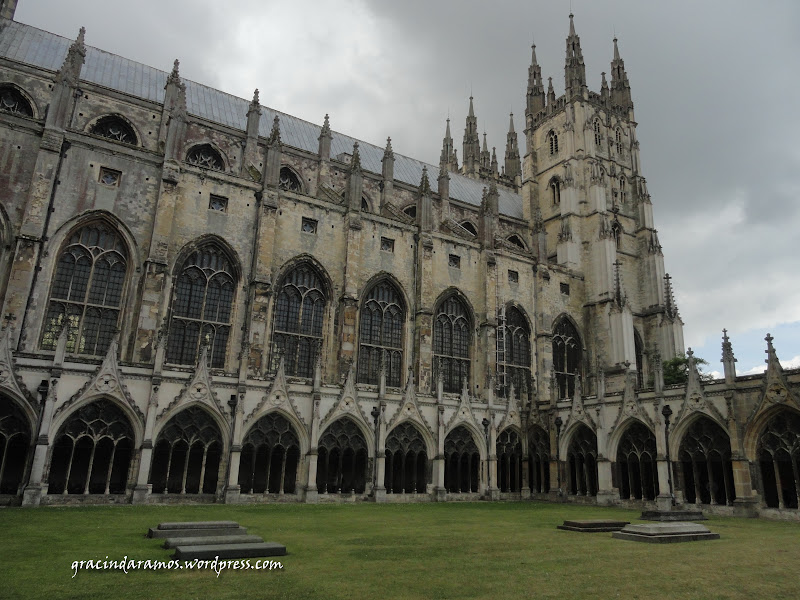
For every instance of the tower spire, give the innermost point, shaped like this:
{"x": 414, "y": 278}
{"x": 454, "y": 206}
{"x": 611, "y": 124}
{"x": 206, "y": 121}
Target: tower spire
{"x": 620, "y": 87}
{"x": 574, "y": 68}
{"x": 447, "y": 160}
{"x": 535, "y": 94}
{"x": 512, "y": 162}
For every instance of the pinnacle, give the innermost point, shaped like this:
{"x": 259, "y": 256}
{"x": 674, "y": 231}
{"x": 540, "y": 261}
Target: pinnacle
{"x": 255, "y": 97}
{"x": 81, "y": 35}
{"x": 571, "y": 25}
{"x": 616, "y": 49}
{"x": 511, "y": 123}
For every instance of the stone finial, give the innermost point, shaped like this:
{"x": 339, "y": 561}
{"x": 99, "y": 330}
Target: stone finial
{"x": 728, "y": 360}
{"x": 671, "y": 308}
{"x": 326, "y": 125}
{"x": 174, "y": 76}
{"x": 355, "y": 164}
{"x": 254, "y": 103}
{"x": 388, "y": 152}
{"x": 275, "y": 133}
{"x": 424, "y": 183}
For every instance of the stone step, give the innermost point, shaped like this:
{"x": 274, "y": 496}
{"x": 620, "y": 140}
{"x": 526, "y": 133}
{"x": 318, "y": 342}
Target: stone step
{"x": 673, "y": 515}
{"x": 224, "y": 551}
{"x": 665, "y": 533}
{"x": 211, "y": 540}
{"x": 593, "y": 525}
{"x": 199, "y": 525}
{"x": 168, "y": 533}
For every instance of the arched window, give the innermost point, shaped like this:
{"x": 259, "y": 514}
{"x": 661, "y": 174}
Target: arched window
{"x": 514, "y": 352}
{"x": 289, "y": 181}
{"x": 114, "y": 128}
{"x": 202, "y": 304}
{"x": 187, "y": 454}
{"x": 516, "y": 241}
{"x": 12, "y": 101}
{"x": 364, "y": 205}
{"x": 539, "y": 460}
{"x": 552, "y": 141}
{"x": 779, "y": 460}
{"x": 618, "y": 141}
{"x": 636, "y": 464}
{"x": 381, "y": 335}
{"x": 705, "y": 457}
{"x": 469, "y": 227}
{"x": 622, "y": 193}
{"x": 270, "y": 456}
{"x": 638, "y": 347}
{"x": 598, "y": 138}
{"x": 92, "y": 451}
{"x": 462, "y": 462}
{"x": 406, "y": 461}
{"x": 555, "y": 190}
{"x": 616, "y": 233}
{"x": 87, "y": 289}
{"x": 342, "y": 459}
{"x": 582, "y": 462}
{"x": 411, "y": 211}
{"x": 205, "y": 157}
{"x": 15, "y": 439}
{"x": 299, "y": 313}
{"x": 509, "y": 461}
{"x": 451, "y": 343}
{"x": 566, "y": 357}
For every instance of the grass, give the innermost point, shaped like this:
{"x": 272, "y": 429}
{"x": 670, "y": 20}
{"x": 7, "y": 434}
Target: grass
{"x": 465, "y": 551}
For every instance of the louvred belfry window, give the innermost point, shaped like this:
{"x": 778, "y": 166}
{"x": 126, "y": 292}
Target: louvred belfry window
{"x": 87, "y": 290}
{"x": 381, "y": 336}
{"x": 451, "y": 341}
{"x": 299, "y": 313}
{"x": 202, "y": 307}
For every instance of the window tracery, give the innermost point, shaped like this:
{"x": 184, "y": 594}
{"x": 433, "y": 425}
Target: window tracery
{"x": 299, "y": 313}
{"x": 114, "y": 128}
{"x": 539, "y": 460}
{"x": 15, "y": 438}
{"x": 598, "y": 138}
{"x": 462, "y": 461}
{"x": 779, "y": 460}
{"x": 288, "y": 181}
{"x": 555, "y": 191}
{"x": 202, "y": 307}
{"x": 87, "y": 289}
{"x": 514, "y": 352}
{"x": 342, "y": 459}
{"x": 636, "y": 464}
{"x": 406, "y": 461}
{"x": 205, "y": 157}
{"x": 92, "y": 451}
{"x": 187, "y": 454}
{"x": 552, "y": 140}
{"x": 509, "y": 461}
{"x": 582, "y": 462}
{"x": 566, "y": 357}
{"x": 381, "y": 336}
{"x": 270, "y": 457}
{"x": 705, "y": 457}
{"x": 12, "y": 101}
{"x": 451, "y": 343}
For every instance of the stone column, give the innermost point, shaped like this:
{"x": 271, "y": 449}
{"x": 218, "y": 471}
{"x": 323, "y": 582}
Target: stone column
{"x": 380, "y": 489}
{"x": 232, "y": 490}
{"x": 143, "y": 489}
{"x": 312, "y": 495}
{"x": 438, "y": 462}
{"x": 36, "y": 488}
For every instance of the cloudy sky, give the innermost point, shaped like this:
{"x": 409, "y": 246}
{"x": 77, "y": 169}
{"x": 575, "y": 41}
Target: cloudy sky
{"x": 715, "y": 87}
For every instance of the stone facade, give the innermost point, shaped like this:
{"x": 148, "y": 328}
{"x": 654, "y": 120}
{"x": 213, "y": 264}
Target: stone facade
{"x": 206, "y": 300}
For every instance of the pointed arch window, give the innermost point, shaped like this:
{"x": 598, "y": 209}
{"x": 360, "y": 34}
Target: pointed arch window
{"x": 616, "y": 233}
{"x": 12, "y": 101}
{"x": 205, "y": 157}
{"x": 406, "y": 461}
{"x": 114, "y": 128}
{"x": 539, "y": 460}
{"x": 514, "y": 353}
{"x": 452, "y": 338}
{"x": 411, "y": 211}
{"x": 270, "y": 456}
{"x": 639, "y": 352}
{"x": 509, "y": 461}
{"x": 552, "y": 142}
{"x": 381, "y": 336}
{"x": 15, "y": 438}
{"x": 555, "y": 190}
{"x": 598, "y": 138}
{"x": 622, "y": 192}
{"x": 618, "y": 141}
{"x": 299, "y": 314}
{"x": 289, "y": 181}
{"x": 636, "y": 464}
{"x": 202, "y": 306}
{"x": 582, "y": 463}
{"x": 462, "y": 461}
{"x": 566, "y": 357}
{"x": 342, "y": 459}
{"x": 92, "y": 451}
{"x": 779, "y": 460}
{"x": 707, "y": 471}
{"x": 469, "y": 227}
{"x": 87, "y": 290}
{"x": 516, "y": 241}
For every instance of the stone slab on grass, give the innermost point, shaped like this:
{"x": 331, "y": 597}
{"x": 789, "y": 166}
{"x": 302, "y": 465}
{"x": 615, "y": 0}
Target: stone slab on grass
{"x": 665, "y": 533}
{"x": 154, "y": 532}
{"x": 673, "y": 515}
{"x": 225, "y": 551}
{"x": 593, "y": 525}
{"x": 214, "y": 539}
{"x": 199, "y": 525}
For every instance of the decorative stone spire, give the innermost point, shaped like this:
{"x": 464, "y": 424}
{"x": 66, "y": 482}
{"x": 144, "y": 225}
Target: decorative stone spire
{"x": 728, "y": 360}
{"x": 670, "y": 307}
{"x": 472, "y": 144}
{"x": 355, "y": 181}
{"x": 63, "y": 97}
{"x": 488, "y": 215}
{"x": 512, "y": 163}
{"x": 535, "y": 95}
{"x": 355, "y": 164}
{"x": 620, "y": 87}
{"x": 425, "y": 203}
{"x": 574, "y": 69}
{"x": 325, "y": 138}
{"x": 251, "y": 143}
{"x": 275, "y": 134}
{"x": 551, "y": 93}
{"x": 387, "y": 170}
{"x": 494, "y": 162}
{"x": 447, "y": 159}
{"x": 253, "y": 115}
{"x": 272, "y": 167}
{"x": 173, "y": 117}
{"x": 604, "y": 93}
{"x": 70, "y": 71}
{"x": 486, "y": 159}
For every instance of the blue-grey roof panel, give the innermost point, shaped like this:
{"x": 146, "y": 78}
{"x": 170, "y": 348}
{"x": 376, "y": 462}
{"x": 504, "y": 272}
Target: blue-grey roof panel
{"x": 26, "y": 44}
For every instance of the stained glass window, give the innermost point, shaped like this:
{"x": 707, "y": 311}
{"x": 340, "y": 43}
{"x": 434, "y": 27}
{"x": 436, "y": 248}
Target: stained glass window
{"x": 452, "y": 338}
{"x": 381, "y": 336}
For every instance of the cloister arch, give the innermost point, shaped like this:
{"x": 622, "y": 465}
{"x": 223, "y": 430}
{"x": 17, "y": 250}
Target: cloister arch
{"x": 343, "y": 458}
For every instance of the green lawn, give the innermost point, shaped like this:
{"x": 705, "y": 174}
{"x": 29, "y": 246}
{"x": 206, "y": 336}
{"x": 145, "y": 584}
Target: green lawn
{"x": 476, "y": 550}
